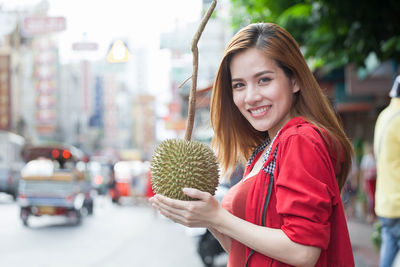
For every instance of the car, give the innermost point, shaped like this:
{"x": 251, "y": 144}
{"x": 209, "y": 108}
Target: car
{"x": 11, "y": 162}
{"x": 100, "y": 173}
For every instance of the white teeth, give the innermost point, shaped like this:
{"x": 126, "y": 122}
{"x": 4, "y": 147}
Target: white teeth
{"x": 258, "y": 111}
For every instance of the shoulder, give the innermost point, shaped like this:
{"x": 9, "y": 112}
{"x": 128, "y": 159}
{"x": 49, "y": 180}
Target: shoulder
{"x": 305, "y": 138}
{"x": 391, "y": 121}
{"x": 391, "y": 112}
{"x": 396, "y": 116}
{"x": 303, "y": 147}
{"x": 303, "y": 131}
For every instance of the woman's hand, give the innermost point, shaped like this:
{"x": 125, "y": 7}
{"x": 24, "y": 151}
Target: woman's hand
{"x": 198, "y": 213}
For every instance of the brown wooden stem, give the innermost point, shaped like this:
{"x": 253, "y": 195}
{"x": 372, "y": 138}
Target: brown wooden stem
{"x": 193, "y": 87}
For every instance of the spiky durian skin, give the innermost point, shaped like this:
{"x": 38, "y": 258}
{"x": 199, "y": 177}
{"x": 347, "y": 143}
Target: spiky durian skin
{"x": 178, "y": 163}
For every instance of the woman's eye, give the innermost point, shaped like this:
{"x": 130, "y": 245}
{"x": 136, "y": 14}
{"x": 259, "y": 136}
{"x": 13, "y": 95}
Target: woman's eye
{"x": 237, "y": 85}
{"x": 264, "y": 80}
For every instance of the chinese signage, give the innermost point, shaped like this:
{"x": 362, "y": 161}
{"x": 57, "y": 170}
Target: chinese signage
{"x": 43, "y": 25}
{"x": 45, "y": 74}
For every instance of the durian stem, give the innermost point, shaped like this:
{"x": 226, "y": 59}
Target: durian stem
{"x": 193, "y": 87}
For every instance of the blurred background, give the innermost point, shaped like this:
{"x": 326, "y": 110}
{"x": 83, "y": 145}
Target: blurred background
{"x": 89, "y": 88}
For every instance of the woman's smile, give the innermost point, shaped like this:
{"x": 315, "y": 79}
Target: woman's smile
{"x": 259, "y": 111}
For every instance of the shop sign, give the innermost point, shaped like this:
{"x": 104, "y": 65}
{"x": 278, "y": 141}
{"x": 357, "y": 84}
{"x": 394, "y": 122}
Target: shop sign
{"x": 5, "y": 93}
{"x": 43, "y": 25}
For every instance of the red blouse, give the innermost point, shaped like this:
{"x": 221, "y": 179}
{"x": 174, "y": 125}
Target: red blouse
{"x": 235, "y": 202}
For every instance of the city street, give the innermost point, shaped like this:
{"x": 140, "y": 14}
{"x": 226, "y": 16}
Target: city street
{"x": 126, "y": 235}
{"x": 90, "y": 91}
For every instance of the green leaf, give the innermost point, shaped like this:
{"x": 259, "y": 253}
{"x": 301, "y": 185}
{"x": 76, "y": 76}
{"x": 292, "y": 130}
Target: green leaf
{"x": 301, "y": 11}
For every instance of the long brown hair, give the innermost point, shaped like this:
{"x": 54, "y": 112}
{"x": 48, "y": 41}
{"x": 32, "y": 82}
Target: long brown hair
{"x": 234, "y": 137}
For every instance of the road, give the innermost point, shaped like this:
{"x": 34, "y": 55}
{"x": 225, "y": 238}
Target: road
{"x": 116, "y": 235}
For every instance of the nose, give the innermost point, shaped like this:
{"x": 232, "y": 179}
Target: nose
{"x": 252, "y": 95}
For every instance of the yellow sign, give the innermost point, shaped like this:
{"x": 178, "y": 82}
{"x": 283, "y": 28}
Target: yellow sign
{"x": 118, "y": 52}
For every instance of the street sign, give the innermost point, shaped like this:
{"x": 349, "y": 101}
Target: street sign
{"x": 43, "y": 25}
{"x": 118, "y": 52}
{"x": 85, "y": 46}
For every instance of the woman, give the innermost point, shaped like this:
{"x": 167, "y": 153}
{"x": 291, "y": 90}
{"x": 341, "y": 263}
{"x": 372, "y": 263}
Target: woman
{"x": 267, "y": 107}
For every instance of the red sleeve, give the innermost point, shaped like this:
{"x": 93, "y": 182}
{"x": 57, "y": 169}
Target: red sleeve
{"x": 304, "y": 189}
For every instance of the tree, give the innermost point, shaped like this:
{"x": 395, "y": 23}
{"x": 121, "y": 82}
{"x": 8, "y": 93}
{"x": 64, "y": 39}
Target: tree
{"x": 332, "y": 33}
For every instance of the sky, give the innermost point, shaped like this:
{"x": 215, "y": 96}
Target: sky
{"x": 138, "y": 22}
{"x": 103, "y": 21}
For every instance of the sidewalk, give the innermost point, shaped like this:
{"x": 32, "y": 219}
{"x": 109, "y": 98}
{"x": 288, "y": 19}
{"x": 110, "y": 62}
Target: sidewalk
{"x": 360, "y": 235}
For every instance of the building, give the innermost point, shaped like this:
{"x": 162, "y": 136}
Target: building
{"x": 211, "y": 46}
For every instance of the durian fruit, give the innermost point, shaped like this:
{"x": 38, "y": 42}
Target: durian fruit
{"x": 178, "y": 163}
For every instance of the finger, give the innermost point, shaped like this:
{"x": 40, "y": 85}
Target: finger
{"x": 174, "y": 203}
{"x": 195, "y": 193}
{"x": 173, "y": 211}
{"x": 181, "y": 219}
{"x": 164, "y": 211}
{"x": 170, "y": 213}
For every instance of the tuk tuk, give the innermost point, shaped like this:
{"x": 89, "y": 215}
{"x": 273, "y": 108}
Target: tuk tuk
{"x": 54, "y": 181}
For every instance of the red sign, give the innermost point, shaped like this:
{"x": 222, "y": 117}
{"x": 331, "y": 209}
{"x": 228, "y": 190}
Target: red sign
{"x": 45, "y": 129}
{"x": 45, "y": 116}
{"x": 45, "y": 101}
{"x": 45, "y": 72}
{"x": 43, "y": 25}
{"x": 45, "y": 86}
{"x": 5, "y": 93}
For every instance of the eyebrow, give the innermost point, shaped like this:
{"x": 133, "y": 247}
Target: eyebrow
{"x": 258, "y": 74}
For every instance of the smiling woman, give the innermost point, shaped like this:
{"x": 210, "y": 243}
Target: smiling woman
{"x": 267, "y": 108}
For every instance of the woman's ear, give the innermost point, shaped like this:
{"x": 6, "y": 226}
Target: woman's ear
{"x": 295, "y": 86}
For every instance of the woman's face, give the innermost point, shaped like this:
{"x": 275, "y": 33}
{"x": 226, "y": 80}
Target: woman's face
{"x": 261, "y": 90}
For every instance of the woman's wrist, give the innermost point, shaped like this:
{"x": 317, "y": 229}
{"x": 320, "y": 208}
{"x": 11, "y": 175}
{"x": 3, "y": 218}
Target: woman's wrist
{"x": 217, "y": 222}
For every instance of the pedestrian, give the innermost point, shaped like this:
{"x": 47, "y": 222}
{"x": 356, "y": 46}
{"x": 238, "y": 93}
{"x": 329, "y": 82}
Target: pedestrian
{"x": 368, "y": 179}
{"x": 267, "y": 107}
{"x": 350, "y": 188}
{"x": 112, "y": 184}
{"x": 387, "y": 196}
{"x": 236, "y": 175}
{"x": 149, "y": 188}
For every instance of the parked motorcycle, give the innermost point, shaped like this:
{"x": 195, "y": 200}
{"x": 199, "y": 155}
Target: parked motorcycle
{"x": 208, "y": 248}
